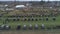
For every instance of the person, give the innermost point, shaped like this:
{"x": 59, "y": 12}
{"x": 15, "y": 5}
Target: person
{"x": 36, "y": 26}
{"x": 18, "y": 27}
{"x": 14, "y": 19}
{"x": 30, "y": 27}
{"x": 36, "y": 19}
{"x": 54, "y": 18}
{"x": 7, "y": 27}
{"x": 18, "y": 19}
{"x": 25, "y": 19}
{"x": 29, "y": 19}
{"x": 2, "y": 27}
{"x": 32, "y": 19}
{"x": 46, "y": 18}
{"x": 24, "y": 27}
{"x": 43, "y": 26}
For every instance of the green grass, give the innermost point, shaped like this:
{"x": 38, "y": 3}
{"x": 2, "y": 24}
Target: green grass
{"x": 49, "y": 23}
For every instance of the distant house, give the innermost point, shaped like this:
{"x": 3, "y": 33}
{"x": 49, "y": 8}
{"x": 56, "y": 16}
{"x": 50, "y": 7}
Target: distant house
{"x": 2, "y": 7}
{"x": 8, "y": 9}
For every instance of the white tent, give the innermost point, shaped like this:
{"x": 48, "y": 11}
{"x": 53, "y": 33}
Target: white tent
{"x": 19, "y": 6}
{"x": 6, "y": 5}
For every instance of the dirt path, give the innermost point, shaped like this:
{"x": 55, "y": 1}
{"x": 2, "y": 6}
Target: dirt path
{"x": 29, "y": 32}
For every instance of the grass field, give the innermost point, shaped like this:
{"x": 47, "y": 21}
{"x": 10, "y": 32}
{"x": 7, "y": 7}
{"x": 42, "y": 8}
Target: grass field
{"x": 49, "y": 23}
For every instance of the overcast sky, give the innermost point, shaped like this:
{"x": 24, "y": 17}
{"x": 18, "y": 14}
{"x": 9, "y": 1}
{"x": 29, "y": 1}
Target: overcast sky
{"x": 29, "y": 0}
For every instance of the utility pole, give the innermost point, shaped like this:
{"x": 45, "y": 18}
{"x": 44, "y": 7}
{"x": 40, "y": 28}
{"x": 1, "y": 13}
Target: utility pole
{"x": 48, "y": 0}
{"x": 15, "y": 3}
{"x": 42, "y": 0}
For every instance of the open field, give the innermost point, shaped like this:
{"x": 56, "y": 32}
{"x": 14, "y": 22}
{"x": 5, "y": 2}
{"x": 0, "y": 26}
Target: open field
{"x": 13, "y": 24}
{"x": 36, "y": 13}
{"x": 49, "y": 23}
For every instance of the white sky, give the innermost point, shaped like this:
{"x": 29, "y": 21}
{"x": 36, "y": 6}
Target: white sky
{"x": 29, "y": 0}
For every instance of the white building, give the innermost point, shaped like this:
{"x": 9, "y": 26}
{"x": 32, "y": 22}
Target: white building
{"x": 8, "y": 9}
{"x": 20, "y": 6}
{"x": 2, "y": 7}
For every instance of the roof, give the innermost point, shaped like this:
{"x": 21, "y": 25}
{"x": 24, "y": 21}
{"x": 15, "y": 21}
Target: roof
{"x": 19, "y": 6}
